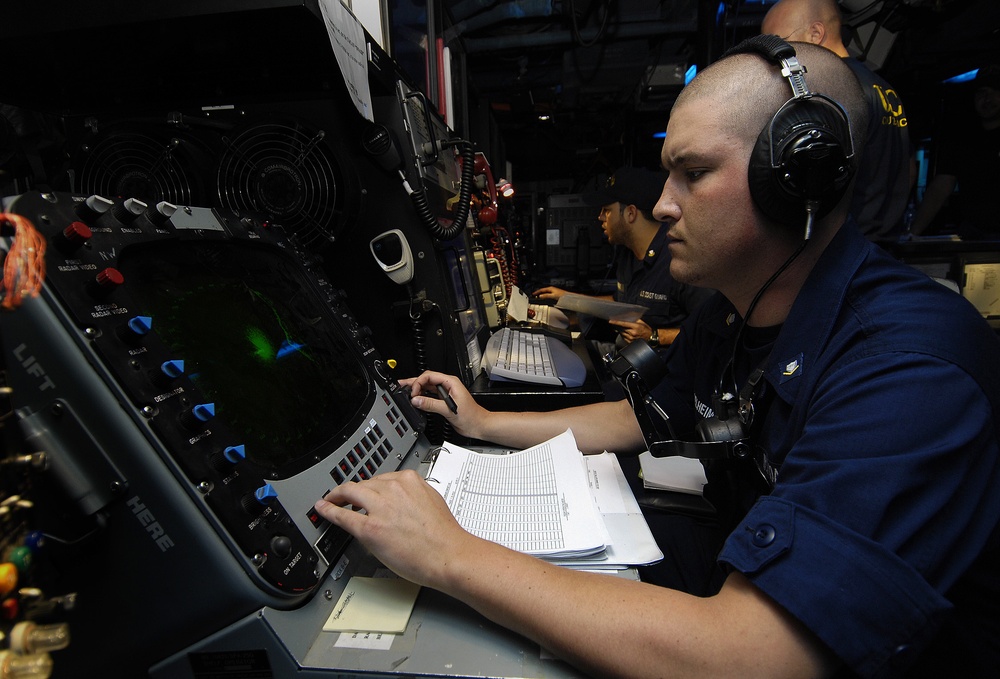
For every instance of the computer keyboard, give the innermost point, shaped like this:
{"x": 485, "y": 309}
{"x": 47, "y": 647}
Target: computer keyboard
{"x": 512, "y": 355}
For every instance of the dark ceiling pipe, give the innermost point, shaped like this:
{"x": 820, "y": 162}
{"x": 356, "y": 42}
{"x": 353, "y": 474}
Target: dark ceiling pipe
{"x": 518, "y": 9}
{"x": 651, "y": 29}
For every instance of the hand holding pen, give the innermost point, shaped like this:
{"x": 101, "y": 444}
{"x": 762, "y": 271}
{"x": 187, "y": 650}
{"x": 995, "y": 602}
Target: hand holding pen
{"x": 446, "y": 397}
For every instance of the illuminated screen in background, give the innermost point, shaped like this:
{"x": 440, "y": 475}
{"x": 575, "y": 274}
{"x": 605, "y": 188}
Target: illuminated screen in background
{"x": 464, "y": 288}
{"x": 982, "y": 287}
{"x": 256, "y": 340}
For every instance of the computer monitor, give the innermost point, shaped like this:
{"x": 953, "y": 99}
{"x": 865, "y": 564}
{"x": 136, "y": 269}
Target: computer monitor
{"x": 467, "y": 298}
{"x": 241, "y": 317}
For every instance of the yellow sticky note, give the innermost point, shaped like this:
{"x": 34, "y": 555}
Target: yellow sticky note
{"x": 373, "y": 605}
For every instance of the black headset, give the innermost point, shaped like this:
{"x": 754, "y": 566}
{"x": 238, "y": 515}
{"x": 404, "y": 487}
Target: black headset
{"x": 804, "y": 158}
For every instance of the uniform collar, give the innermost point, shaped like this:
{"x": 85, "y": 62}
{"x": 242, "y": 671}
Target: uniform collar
{"x": 815, "y": 311}
{"x": 655, "y": 251}
{"x": 657, "y": 248}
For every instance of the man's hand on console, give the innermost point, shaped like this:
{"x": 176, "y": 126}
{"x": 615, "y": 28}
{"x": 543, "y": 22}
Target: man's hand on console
{"x": 467, "y": 416}
{"x": 406, "y": 525}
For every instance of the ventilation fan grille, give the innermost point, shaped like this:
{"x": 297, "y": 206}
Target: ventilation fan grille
{"x": 287, "y": 173}
{"x": 141, "y": 166}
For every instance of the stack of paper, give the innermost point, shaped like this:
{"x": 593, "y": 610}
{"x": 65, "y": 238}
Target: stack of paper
{"x": 679, "y": 474}
{"x": 544, "y": 501}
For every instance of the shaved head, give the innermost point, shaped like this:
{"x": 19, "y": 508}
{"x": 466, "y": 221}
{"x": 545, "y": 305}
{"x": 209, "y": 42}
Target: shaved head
{"x": 815, "y": 21}
{"x": 753, "y": 89}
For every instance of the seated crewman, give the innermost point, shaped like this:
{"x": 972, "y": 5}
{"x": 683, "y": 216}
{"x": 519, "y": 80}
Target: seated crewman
{"x": 864, "y": 536}
{"x": 643, "y": 260}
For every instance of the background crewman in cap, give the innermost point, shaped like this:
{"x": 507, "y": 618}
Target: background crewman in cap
{"x": 643, "y": 260}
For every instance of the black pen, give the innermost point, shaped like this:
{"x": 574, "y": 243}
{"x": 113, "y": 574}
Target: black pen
{"x": 446, "y": 397}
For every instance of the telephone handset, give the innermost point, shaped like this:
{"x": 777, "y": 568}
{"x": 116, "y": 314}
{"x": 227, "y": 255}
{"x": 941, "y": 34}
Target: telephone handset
{"x": 392, "y": 253}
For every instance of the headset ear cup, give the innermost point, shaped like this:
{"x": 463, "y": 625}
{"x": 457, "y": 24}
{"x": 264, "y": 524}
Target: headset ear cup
{"x": 763, "y": 190}
{"x": 808, "y": 142}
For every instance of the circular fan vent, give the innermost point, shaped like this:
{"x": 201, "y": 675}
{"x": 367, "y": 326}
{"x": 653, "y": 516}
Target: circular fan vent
{"x": 150, "y": 168}
{"x": 289, "y": 174}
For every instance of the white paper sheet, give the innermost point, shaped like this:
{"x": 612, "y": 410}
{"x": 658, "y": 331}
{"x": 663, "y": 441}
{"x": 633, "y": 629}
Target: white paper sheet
{"x": 347, "y": 38}
{"x": 535, "y": 501}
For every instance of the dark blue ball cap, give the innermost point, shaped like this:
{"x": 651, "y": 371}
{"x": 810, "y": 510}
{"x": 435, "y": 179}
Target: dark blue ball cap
{"x": 631, "y": 186}
{"x": 988, "y": 76}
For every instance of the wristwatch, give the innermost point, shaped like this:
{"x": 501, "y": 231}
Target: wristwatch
{"x": 654, "y": 339}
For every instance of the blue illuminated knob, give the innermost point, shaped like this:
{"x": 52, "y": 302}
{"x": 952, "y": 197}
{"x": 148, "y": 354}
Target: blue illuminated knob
{"x": 140, "y": 325}
{"x": 203, "y": 412}
{"x": 197, "y": 416}
{"x": 173, "y": 369}
{"x": 262, "y": 497}
{"x": 235, "y": 454}
{"x": 265, "y": 493}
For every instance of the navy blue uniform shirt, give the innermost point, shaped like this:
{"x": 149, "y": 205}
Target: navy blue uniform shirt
{"x": 882, "y": 395}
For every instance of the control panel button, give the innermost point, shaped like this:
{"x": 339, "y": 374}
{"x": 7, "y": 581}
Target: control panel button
{"x": 281, "y": 546}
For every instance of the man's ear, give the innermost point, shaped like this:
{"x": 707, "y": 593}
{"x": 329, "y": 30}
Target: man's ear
{"x": 816, "y": 33}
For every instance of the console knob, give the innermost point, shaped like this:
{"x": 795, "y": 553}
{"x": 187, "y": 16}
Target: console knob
{"x": 127, "y": 210}
{"x": 108, "y": 279}
{"x": 160, "y": 213}
{"x": 252, "y": 502}
{"x": 281, "y": 545}
{"x": 8, "y": 578}
{"x": 265, "y": 493}
{"x": 204, "y": 411}
{"x": 140, "y": 325}
{"x": 235, "y": 453}
{"x": 93, "y": 207}
{"x": 225, "y": 460}
{"x": 173, "y": 369}
{"x": 198, "y": 415}
{"x": 76, "y": 234}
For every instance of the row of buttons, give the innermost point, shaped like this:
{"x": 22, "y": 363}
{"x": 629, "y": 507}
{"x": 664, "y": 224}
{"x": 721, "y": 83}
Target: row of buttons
{"x": 373, "y": 446}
